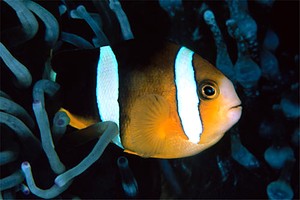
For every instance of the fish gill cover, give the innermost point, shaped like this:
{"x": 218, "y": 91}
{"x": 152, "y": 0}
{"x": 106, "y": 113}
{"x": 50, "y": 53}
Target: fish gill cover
{"x": 254, "y": 43}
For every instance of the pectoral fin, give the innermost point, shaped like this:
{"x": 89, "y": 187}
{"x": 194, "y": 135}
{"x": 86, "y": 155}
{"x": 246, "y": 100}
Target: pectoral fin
{"x": 149, "y": 121}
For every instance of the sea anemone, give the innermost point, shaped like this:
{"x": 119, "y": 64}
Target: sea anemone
{"x": 247, "y": 40}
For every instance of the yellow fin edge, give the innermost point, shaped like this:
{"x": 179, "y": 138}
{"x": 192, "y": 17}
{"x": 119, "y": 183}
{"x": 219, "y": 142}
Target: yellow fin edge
{"x": 78, "y": 121}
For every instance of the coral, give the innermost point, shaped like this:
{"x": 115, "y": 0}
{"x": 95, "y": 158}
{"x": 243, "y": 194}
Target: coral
{"x": 12, "y": 180}
{"x": 52, "y": 192}
{"x": 10, "y": 107}
{"x": 29, "y": 25}
{"x": 247, "y": 40}
{"x": 60, "y": 122}
{"x": 63, "y": 181}
{"x": 276, "y": 156}
{"x": 21, "y": 73}
{"x": 224, "y": 167}
{"x": 125, "y": 26}
{"x": 241, "y": 154}
{"x": 19, "y": 120}
{"x": 46, "y": 138}
{"x": 246, "y": 70}
{"x": 81, "y": 13}
{"x": 129, "y": 183}
{"x": 295, "y": 139}
{"x": 271, "y": 41}
{"x": 8, "y": 156}
{"x": 76, "y": 40}
{"x": 170, "y": 177}
{"x": 247, "y": 25}
{"x": 289, "y": 104}
{"x": 24, "y": 134}
{"x": 109, "y": 130}
{"x": 223, "y": 61}
{"x": 41, "y": 87}
{"x": 269, "y": 65}
{"x": 51, "y": 24}
{"x": 171, "y": 6}
{"x": 281, "y": 189}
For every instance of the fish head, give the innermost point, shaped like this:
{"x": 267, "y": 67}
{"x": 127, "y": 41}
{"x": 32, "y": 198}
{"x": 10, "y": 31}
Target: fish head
{"x": 220, "y": 107}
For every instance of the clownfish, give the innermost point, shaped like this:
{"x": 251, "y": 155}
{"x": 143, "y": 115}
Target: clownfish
{"x": 175, "y": 105}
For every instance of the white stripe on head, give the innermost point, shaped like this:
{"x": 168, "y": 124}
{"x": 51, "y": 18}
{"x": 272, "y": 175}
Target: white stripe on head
{"x": 107, "y": 88}
{"x": 187, "y": 97}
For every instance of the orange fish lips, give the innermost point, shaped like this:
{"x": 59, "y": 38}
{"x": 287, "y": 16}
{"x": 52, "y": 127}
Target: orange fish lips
{"x": 235, "y": 112}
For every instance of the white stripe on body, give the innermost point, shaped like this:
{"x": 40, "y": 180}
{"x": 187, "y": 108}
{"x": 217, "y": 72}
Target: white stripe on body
{"x": 107, "y": 88}
{"x": 187, "y": 97}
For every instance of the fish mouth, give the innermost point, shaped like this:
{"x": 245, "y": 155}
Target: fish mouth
{"x": 236, "y": 106}
{"x": 235, "y": 112}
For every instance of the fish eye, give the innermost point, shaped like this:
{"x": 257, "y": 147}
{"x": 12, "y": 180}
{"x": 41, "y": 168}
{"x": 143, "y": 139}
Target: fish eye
{"x": 208, "y": 90}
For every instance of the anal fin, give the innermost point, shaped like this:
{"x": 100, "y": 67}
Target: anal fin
{"x": 78, "y": 122}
